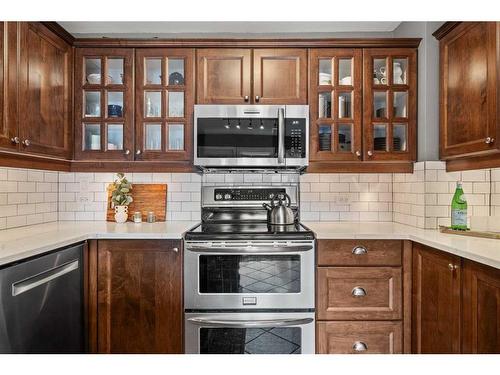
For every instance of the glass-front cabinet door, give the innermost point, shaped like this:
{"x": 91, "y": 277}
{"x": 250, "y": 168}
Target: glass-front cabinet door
{"x": 164, "y": 104}
{"x": 104, "y": 104}
{"x": 389, "y": 124}
{"x": 335, "y": 104}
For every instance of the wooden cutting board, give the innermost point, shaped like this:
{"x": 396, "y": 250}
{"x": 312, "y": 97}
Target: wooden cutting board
{"x": 470, "y": 233}
{"x": 147, "y": 197}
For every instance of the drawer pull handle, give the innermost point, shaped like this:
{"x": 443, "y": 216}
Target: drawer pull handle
{"x": 359, "y": 346}
{"x": 358, "y": 292}
{"x": 359, "y": 250}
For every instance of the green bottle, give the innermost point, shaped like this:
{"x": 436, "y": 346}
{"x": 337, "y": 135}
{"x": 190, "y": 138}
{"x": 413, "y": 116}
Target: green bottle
{"x": 459, "y": 209}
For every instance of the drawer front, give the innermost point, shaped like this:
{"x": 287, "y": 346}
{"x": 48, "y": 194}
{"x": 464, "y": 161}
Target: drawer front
{"x": 359, "y": 293}
{"x": 359, "y": 338}
{"x": 359, "y": 252}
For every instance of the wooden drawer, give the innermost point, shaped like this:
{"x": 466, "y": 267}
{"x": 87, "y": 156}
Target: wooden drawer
{"x": 359, "y": 337}
{"x": 359, "y": 293}
{"x": 359, "y": 252}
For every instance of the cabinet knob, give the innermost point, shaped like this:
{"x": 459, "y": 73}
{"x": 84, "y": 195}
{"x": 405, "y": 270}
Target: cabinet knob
{"x": 359, "y": 346}
{"x": 257, "y": 98}
{"x": 127, "y": 152}
{"x": 358, "y": 154}
{"x": 370, "y": 153}
{"x": 247, "y": 98}
{"x": 175, "y": 249}
{"x": 489, "y": 140}
{"x": 452, "y": 267}
{"x": 15, "y": 140}
{"x": 358, "y": 292}
{"x": 26, "y": 143}
{"x": 359, "y": 250}
{"x": 138, "y": 152}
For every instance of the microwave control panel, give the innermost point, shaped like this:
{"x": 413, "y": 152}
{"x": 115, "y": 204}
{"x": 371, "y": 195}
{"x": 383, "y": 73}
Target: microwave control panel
{"x": 247, "y": 194}
{"x": 295, "y": 138}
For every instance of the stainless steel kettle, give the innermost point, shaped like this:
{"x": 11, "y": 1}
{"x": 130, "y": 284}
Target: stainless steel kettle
{"x": 280, "y": 213}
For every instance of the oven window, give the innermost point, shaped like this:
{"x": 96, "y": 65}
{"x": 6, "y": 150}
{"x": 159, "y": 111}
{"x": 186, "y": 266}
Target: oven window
{"x": 249, "y": 274}
{"x": 237, "y": 138}
{"x": 250, "y": 340}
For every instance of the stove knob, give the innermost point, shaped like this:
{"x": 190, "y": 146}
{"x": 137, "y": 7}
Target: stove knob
{"x": 271, "y": 196}
{"x": 218, "y": 197}
{"x": 227, "y": 196}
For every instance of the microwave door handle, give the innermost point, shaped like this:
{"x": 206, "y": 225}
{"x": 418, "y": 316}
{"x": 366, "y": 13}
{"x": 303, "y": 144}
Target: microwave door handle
{"x": 281, "y": 136}
{"x": 250, "y": 323}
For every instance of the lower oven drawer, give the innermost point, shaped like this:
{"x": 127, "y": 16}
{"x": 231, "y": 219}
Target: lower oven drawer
{"x": 359, "y": 293}
{"x": 359, "y": 337}
{"x": 249, "y": 333}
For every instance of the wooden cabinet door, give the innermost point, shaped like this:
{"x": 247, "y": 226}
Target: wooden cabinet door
{"x": 104, "y": 104}
{"x": 436, "y": 301}
{"x": 9, "y": 134}
{"x": 390, "y": 104}
{"x": 45, "y": 92}
{"x": 280, "y": 76}
{"x": 335, "y": 101}
{"x": 140, "y": 307}
{"x": 223, "y": 76}
{"x": 468, "y": 90}
{"x": 164, "y": 104}
{"x": 481, "y": 309}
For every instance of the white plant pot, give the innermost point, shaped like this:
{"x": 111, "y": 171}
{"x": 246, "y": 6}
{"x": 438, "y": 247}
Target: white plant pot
{"x": 121, "y": 214}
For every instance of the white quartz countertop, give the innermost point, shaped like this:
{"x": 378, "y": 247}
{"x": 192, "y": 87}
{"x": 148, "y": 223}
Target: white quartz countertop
{"x": 482, "y": 250}
{"x": 24, "y": 242}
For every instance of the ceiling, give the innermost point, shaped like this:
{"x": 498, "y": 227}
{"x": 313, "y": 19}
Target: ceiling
{"x": 213, "y": 29}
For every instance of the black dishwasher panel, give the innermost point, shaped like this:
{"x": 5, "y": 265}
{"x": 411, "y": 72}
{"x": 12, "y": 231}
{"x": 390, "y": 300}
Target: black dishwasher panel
{"x": 41, "y": 304}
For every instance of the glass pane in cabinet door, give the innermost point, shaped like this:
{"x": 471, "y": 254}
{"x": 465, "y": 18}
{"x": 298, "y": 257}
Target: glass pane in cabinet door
{"x": 345, "y": 137}
{"x": 325, "y": 138}
{"x": 115, "y": 104}
{"x": 152, "y": 139}
{"x": 345, "y": 72}
{"x": 380, "y": 71}
{"x": 380, "y": 137}
{"x": 93, "y": 71}
{"x": 92, "y": 137}
{"x": 399, "y": 71}
{"x": 92, "y": 105}
{"x": 153, "y": 72}
{"x": 152, "y": 104}
{"x": 400, "y": 103}
{"x": 399, "y": 137}
{"x": 115, "y": 71}
{"x": 380, "y": 104}
{"x": 325, "y": 72}
{"x": 325, "y": 105}
{"x": 115, "y": 137}
{"x": 176, "y": 104}
{"x": 176, "y": 137}
{"x": 345, "y": 105}
{"x": 175, "y": 71}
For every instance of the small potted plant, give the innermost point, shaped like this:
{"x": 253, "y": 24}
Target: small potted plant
{"x": 121, "y": 197}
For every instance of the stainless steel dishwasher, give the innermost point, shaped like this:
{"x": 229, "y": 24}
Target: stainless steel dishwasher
{"x": 41, "y": 304}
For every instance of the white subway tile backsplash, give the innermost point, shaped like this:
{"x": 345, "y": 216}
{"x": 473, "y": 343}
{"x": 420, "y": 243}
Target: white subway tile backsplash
{"x": 17, "y": 174}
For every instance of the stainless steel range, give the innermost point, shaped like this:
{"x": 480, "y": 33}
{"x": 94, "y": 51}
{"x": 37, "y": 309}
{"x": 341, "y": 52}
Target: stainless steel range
{"x": 248, "y": 286}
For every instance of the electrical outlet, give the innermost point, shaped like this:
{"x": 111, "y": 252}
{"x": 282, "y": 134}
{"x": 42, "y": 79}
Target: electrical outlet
{"x": 342, "y": 199}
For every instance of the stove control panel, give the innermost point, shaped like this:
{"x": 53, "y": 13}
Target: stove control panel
{"x": 248, "y": 194}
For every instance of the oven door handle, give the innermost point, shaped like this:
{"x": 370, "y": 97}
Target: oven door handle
{"x": 249, "y": 249}
{"x": 250, "y": 323}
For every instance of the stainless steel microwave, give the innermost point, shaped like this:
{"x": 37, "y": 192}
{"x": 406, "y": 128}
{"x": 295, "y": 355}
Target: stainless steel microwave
{"x": 251, "y": 136}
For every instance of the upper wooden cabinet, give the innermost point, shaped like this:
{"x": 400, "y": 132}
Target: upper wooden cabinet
{"x": 164, "y": 104}
{"x": 469, "y": 79}
{"x": 436, "y": 301}
{"x": 104, "y": 103}
{"x": 45, "y": 99}
{"x": 335, "y": 100}
{"x": 226, "y": 76}
{"x": 390, "y": 104}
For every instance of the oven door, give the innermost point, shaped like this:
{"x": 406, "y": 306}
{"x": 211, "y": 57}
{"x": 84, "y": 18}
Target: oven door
{"x": 239, "y": 136}
{"x": 249, "y": 275}
{"x": 249, "y": 333}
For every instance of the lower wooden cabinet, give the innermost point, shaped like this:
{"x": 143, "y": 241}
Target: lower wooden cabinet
{"x": 359, "y": 337}
{"x": 138, "y": 287}
{"x": 436, "y": 301}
